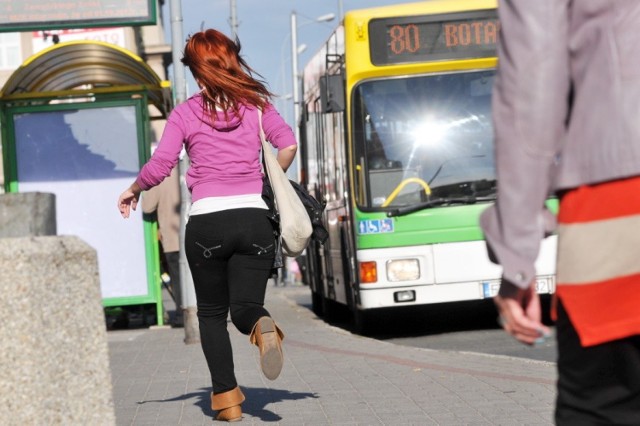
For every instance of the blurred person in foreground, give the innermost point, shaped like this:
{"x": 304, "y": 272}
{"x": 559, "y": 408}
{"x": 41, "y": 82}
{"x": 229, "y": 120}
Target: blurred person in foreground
{"x": 566, "y": 110}
{"x": 163, "y": 201}
{"x": 229, "y": 240}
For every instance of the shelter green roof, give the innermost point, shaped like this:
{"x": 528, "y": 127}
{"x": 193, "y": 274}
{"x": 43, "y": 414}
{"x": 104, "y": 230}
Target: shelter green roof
{"x": 75, "y": 65}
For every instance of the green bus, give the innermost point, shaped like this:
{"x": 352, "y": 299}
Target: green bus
{"x": 396, "y": 136}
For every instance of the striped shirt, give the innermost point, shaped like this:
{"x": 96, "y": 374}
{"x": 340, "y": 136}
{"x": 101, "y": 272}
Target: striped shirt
{"x": 598, "y": 269}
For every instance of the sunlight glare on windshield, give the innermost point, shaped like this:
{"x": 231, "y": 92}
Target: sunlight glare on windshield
{"x": 430, "y": 132}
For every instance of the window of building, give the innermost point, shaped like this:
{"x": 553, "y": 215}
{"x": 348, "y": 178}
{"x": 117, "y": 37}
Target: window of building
{"x": 10, "y": 51}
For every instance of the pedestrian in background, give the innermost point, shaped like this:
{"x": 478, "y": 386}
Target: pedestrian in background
{"x": 163, "y": 200}
{"x": 566, "y": 110}
{"x": 229, "y": 241}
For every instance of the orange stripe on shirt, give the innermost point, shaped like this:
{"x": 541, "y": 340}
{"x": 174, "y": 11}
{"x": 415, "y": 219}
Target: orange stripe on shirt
{"x": 602, "y": 201}
{"x": 605, "y": 310}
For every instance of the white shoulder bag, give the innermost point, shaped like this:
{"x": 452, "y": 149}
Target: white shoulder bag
{"x": 295, "y": 224}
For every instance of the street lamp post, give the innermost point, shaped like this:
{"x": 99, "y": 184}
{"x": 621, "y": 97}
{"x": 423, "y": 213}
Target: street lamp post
{"x": 295, "y": 77}
{"x": 191, "y": 330}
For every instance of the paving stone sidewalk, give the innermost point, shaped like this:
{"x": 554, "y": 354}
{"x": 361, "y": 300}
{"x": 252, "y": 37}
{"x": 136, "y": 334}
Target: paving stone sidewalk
{"x": 330, "y": 377}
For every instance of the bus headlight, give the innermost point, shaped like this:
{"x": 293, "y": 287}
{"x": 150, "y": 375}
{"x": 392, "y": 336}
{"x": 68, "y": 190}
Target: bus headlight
{"x": 403, "y": 270}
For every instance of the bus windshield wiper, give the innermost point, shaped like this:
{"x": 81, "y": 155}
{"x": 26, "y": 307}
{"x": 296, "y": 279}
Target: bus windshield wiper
{"x": 401, "y": 211}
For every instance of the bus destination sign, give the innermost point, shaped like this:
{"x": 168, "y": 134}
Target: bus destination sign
{"x": 433, "y": 38}
{"x": 23, "y": 15}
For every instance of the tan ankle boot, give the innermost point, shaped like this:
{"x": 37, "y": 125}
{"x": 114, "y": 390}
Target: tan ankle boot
{"x": 227, "y": 404}
{"x": 267, "y": 336}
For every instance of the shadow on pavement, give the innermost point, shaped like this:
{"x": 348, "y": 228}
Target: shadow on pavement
{"x": 258, "y": 398}
{"x": 204, "y": 400}
{"x": 256, "y": 401}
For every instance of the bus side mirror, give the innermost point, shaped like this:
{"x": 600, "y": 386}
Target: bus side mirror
{"x": 332, "y": 93}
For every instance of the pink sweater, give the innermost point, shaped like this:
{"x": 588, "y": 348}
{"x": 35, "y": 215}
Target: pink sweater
{"x": 225, "y": 157}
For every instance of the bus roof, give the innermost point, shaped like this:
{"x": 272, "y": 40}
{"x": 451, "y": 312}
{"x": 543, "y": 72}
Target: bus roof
{"x": 354, "y": 30}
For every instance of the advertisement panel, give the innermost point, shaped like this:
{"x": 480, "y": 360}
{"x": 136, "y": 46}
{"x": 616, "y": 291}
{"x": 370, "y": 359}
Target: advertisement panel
{"x": 25, "y": 15}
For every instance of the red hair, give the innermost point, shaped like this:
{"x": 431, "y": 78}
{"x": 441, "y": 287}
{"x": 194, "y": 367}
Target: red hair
{"x": 215, "y": 62}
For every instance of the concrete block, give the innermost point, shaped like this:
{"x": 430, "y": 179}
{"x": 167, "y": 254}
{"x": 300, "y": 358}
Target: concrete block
{"x": 54, "y": 364}
{"x": 27, "y": 214}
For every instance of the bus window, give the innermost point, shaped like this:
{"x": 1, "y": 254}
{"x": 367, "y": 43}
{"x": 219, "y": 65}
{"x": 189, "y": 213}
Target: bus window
{"x": 433, "y": 130}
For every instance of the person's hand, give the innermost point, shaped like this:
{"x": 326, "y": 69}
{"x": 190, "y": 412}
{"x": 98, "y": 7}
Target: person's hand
{"x": 520, "y": 313}
{"x": 129, "y": 200}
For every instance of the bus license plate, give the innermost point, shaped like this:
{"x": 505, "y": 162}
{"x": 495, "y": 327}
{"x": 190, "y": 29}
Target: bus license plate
{"x": 544, "y": 285}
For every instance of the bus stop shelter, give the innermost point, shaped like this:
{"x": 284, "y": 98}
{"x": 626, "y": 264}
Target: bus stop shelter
{"x": 75, "y": 122}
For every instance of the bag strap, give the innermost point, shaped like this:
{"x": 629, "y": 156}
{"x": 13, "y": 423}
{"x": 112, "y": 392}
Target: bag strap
{"x": 263, "y": 140}
{"x": 267, "y": 150}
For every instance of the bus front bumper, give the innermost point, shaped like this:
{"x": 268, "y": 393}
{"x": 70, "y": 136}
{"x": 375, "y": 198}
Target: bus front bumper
{"x": 440, "y": 293}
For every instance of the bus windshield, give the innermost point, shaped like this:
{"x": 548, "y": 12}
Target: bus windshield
{"x": 424, "y": 138}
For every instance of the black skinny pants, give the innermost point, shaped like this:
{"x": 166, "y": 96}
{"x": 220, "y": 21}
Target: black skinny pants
{"x": 230, "y": 254}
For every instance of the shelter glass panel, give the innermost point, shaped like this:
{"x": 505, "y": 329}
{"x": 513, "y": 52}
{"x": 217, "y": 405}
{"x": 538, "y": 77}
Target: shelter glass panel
{"x": 86, "y": 157}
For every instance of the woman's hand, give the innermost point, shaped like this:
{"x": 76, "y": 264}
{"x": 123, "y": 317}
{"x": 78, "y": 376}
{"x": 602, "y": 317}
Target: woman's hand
{"x": 129, "y": 200}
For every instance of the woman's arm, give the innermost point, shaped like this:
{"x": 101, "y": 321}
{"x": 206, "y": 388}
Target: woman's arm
{"x": 166, "y": 156}
{"x": 280, "y": 135}
{"x": 159, "y": 165}
{"x": 286, "y": 155}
